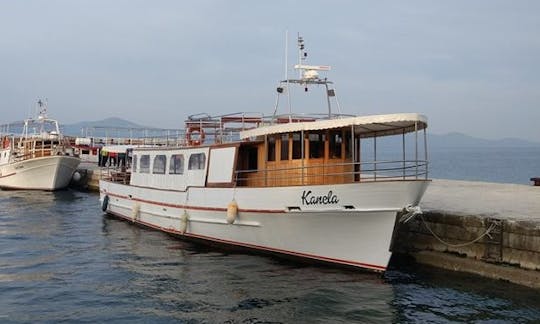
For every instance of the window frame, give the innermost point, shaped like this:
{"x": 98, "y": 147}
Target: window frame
{"x": 173, "y": 166}
{"x": 163, "y": 167}
{"x": 145, "y": 159}
{"x": 199, "y": 164}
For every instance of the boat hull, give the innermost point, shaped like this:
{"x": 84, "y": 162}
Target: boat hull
{"x": 44, "y": 173}
{"x": 347, "y": 224}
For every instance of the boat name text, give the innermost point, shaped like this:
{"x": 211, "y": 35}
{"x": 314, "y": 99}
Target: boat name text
{"x": 309, "y": 199}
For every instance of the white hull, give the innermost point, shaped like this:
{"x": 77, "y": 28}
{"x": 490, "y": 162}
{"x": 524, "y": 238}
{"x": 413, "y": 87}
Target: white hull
{"x": 44, "y": 173}
{"x": 355, "y": 229}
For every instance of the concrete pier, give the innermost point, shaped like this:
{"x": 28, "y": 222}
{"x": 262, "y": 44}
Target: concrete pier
{"x": 489, "y": 229}
{"x": 89, "y": 177}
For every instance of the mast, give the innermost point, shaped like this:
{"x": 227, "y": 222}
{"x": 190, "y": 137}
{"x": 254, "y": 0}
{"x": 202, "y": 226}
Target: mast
{"x": 307, "y": 75}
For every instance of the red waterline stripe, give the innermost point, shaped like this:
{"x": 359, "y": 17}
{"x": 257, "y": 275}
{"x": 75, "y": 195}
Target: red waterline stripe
{"x": 8, "y": 175}
{"x": 258, "y": 247}
{"x": 273, "y": 211}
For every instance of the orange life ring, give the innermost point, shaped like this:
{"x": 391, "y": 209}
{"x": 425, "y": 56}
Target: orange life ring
{"x": 5, "y": 143}
{"x": 195, "y": 136}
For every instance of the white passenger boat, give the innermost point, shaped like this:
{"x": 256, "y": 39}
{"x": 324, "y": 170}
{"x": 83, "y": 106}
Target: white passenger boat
{"x": 293, "y": 185}
{"x": 40, "y": 158}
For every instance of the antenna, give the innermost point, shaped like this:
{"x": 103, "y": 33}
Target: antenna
{"x": 287, "y": 74}
{"x": 307, "y": 73}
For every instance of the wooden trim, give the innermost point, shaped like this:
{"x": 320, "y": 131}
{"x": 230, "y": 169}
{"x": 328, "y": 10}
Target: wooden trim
{"x": 220, "y": 184}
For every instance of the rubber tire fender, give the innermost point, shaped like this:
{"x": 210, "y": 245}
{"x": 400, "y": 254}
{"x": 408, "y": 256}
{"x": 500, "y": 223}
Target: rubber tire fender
{"x": 105, "y": 203}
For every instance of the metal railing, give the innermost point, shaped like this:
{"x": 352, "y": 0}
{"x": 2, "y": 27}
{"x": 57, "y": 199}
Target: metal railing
{"x": 117, "y": 174}
{"x": 334, "y": 173}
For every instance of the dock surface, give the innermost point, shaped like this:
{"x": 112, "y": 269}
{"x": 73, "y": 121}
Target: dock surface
{"x": 489, "y": 229}
{"x": 497, "y": 200}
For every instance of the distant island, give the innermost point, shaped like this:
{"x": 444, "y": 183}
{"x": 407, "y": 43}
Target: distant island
{"x": 450, "y": 140}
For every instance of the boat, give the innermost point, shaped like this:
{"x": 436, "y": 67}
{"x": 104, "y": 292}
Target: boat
{"x": 295, "y": 185}
{"x": 40, "y": 158}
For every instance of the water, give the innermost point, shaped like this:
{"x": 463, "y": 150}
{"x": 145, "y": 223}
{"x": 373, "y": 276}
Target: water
{"x": 62, "y": 260}
{"x": 491, "y": 164}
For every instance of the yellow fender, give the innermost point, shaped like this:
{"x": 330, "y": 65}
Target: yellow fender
{"x": 232, "y": 212}
{"x": 184, "y": 222}
{"x": 135, "y": 211}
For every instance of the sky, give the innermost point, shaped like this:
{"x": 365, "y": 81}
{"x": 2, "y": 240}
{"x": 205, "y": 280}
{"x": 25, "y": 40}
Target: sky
{"x": 469, "y": 66}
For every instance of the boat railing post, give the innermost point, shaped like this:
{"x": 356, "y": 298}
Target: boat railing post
{"x": 375, "y": 157}
{"x": 266, "y": 160}
{"x": 416, "y": 146}
{"x": 353, "y": 153}
{"x": 359, "y": 159}
{"x": 403, "y": 152}
{"x": 302, "y": 153}
{"x": 425, "y": 152}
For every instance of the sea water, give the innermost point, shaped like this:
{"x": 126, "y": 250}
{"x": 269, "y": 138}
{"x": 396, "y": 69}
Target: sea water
{"x": 490, "y": 164}
{"x": 62, "y": 260}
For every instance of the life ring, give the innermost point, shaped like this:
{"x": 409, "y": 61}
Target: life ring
{"x": 195, "y": 136}
{"x": 105, "y": 203}
{"x": 5, "y": 143}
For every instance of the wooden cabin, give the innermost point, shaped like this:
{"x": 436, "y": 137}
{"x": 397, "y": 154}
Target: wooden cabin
{"x": 297, "y": 158}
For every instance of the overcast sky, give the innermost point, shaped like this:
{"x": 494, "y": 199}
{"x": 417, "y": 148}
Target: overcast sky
{"x": 470, "y": 66}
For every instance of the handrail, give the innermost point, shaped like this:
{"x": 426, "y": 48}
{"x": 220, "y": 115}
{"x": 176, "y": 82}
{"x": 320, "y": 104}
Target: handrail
{"x": 355, "y": 172}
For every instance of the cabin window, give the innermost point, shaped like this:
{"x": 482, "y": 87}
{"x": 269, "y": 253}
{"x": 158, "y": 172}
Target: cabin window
{"x": 284, "y": 147}
{"x": 336, "y": 139}
{"x": 159, "y": 164}
{"x": 348, "y": 145}
{"x": 271, "y": 149}
{"x": 144, "y": 164}
{"x": 176, "y": 166}
{"x": 134, "y": 168}
{"x": 316, "y": 145}
{"x": 252, "y": 158}
{"x": 197, "y": 161}
{"x": 296, "y": 146}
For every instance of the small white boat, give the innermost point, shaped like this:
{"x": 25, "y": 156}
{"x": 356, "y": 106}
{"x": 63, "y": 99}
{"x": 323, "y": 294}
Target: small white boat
{"x": 40, "y": 158}
{"x": 292, "y": 185}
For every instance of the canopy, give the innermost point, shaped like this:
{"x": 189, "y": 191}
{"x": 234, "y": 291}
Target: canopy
{"x": 364, "y": 126}
{"x": 117, "y": 148}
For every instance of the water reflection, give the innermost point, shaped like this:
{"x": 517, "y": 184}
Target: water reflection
{"x": 191, "y": 282}
{"x": 62, "y": 260}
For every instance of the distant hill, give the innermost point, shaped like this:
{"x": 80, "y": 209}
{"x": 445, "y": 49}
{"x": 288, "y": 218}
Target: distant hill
{"x": 450, "y": 140}
{"x": 457, "y": 140}
{"x": 93, "y": 127}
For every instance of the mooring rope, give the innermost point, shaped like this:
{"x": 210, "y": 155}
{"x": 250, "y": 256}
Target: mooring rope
{"x": 491, "y": 227}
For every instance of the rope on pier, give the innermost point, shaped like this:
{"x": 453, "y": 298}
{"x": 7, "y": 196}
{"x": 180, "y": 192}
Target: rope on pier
{"x": 491, "y": 227}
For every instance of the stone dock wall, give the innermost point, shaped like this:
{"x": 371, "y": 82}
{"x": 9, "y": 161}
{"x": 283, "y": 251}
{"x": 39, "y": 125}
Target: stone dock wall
{"x": 489, "y": 229}
{"x": 88, "y": 179}
{"x": 496, "y": 248}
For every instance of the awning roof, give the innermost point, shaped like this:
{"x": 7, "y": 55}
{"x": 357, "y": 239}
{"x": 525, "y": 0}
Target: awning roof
{"x": 365, "y": 126}
{"x": 117, "y": 148}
